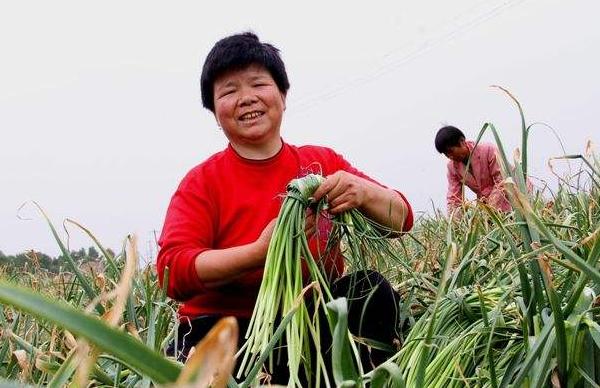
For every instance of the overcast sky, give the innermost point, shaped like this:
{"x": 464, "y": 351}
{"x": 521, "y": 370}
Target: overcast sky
{"x": 100, "y": 113}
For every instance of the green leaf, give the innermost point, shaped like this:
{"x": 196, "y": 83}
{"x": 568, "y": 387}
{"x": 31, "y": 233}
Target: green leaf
{"x": 512, "y": 368}
{"x": 106, "y": 338}
{"x": 265, "y": 354}
{"x": 594, "y": 330}
{"x": 387, "y": 373}
{"x": 344, "y": 368}
{"x": 83, "y": 280}
{"x": 66, "y": 370}
{"x": 546, "y": 364}
{"x": 535, "y": 351}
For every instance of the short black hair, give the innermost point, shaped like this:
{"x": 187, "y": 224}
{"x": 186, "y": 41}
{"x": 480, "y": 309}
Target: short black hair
{"x": 447, "y": 137}
{"x": 235, "y": 52}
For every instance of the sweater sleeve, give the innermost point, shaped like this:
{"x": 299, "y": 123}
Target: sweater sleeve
{"x": 187, "y": 231}
{"x": 454, "y": 194}
{"x": 343, "y": 164}
{"x": 496, "y": 196}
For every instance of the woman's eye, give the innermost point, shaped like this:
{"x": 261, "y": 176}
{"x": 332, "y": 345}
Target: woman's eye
{"x": 226, "y": 93}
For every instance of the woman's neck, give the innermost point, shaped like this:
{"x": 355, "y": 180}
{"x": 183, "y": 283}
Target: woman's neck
{"x": 262, "y": 152}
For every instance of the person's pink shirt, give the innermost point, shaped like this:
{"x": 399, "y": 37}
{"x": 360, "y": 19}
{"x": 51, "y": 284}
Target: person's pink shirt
{"x": 484, "y": 178}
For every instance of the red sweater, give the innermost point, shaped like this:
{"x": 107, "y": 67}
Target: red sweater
{"x": 227, "y": 201}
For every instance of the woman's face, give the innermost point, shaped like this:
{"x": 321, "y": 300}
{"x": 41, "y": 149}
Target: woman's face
{"x": 249, "y": 107}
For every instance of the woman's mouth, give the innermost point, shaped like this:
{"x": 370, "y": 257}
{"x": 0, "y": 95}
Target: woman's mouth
{"x": 251, "y": 116}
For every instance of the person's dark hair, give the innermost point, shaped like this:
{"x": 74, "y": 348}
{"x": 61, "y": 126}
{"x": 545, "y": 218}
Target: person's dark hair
{"x": 447, "y": 137}
{"x": 237, "y": 52}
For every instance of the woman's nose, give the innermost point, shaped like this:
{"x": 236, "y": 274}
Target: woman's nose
{"x": 248, "y": 98}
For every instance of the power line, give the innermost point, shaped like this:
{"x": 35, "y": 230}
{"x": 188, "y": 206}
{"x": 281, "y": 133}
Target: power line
{"x": 393, "y": 65}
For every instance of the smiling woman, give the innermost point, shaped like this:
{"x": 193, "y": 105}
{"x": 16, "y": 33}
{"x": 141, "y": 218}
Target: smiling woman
{"x": 249, "y": 107}
{"x": 221, "y": 218}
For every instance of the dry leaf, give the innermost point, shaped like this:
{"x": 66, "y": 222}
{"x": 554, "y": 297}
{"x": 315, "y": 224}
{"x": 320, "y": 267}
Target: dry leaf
{"x": 214, "y": 358}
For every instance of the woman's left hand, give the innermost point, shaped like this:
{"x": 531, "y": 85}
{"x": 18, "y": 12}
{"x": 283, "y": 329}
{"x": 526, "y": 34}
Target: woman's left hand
{"x": 344, "y": 191}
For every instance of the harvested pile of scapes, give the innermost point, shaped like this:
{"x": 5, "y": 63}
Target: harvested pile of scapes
{"x": 284, "y": 293}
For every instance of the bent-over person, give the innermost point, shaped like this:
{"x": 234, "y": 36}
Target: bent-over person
{"x": 482, "y": 175}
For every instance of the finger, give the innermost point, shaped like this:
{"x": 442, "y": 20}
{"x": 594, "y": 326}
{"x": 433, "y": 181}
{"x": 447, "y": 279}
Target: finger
{"x": 320, "y": 191}
{"x": 311, "y": 231}
{"x": 310, "y": 221}
{"x": 310, "y": 228}
{"x": 324, "y": 188}
{"x": 348, "y": 198}
{"x": 341, "y": 208}
{"x": 337, "y": 190}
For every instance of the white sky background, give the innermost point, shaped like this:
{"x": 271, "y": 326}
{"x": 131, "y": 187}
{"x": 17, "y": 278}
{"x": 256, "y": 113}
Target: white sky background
{"x": 100, "y": 113}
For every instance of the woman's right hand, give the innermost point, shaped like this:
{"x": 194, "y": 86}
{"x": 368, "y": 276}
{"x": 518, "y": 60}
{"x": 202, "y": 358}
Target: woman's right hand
{"x": 264, "y": 239}
{"x": 310, "y": 228}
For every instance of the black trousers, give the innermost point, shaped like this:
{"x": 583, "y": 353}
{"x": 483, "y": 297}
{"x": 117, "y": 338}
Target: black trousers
{"x": 372, "y": 314}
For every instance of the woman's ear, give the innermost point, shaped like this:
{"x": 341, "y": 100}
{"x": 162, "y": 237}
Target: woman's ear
{"x": 283, "y": 96}
{"x": 218, "y": 123}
